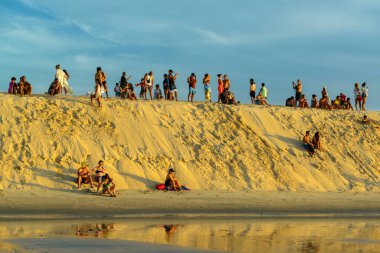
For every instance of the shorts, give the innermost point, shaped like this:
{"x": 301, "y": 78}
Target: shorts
{"x": 172, "y": 91}
{"x": 192, "y": 91}
{"x": 298, "y": 95}
{"x": 252, "y": 94}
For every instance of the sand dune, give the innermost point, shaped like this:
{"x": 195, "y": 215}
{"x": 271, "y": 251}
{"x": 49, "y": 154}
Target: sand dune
{"x": 212, "y": 146}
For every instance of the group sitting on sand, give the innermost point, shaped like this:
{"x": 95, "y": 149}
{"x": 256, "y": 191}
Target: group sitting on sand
{"x": 311, "y": 144}
{"x": 102, "y": 178}
{"x": 21, "y": 88}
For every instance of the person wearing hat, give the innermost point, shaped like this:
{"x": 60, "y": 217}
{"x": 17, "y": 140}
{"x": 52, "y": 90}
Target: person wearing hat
{"x": 55, "y": 87}
{"x": 171, "y": 182}
{"x": 84, "y": 175}
{"x": 12, "y": 89}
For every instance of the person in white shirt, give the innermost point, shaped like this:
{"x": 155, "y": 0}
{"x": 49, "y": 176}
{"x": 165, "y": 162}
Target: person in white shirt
{"x": 62, "y": 78}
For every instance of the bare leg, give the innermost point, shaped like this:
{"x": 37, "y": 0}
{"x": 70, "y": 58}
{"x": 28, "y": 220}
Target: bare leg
{"x": 79, "y": 182}
{"x": 176, "y": 95}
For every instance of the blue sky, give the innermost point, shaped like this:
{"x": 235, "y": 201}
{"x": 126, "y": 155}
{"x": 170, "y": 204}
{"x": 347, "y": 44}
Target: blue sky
{"x": 332, "y": 43}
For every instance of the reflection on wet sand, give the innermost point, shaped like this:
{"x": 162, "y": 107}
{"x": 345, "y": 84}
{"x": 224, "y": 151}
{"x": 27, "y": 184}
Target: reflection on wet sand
{"x": 294, "y": 235}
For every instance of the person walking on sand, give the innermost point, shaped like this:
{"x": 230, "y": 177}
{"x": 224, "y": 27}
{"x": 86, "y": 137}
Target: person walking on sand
{"x": 192, "y": 81}
{"x": 84, "y": 176}
{"x": 252, "y": 90}
{"x": 364, "y": 95}
{"x": 25, "y": 87}
{"x": 298, "y": 88}
{"x": 101, "y": 77}
{"x": 358, "y": 97}
{"x": 309, "y": 146}
{"x": 220, "y": 87}
{"x": 97, "y": 94}
{"x": 149, "y": 81}
{"x": 172, "y": 87}
{"x": 207, "y": 87}
{"x": 264, "y": 91}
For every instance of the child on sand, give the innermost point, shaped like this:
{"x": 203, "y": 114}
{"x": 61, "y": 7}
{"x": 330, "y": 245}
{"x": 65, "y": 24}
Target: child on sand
{"x": 207, "y": 87}
{"x": 117, "y": 90}
{"x": 143, "y": 90}
{"x": 171, "y": 182}
{"x": 309, "y": 146}
{"x": 101, "y": 77}
{"x": 25, "y": 87}
{"x": 100, "y": 172}
{"x": 130, "y": 92}
{"x": 157, "y": 92}
{"x": 108, "y": 186}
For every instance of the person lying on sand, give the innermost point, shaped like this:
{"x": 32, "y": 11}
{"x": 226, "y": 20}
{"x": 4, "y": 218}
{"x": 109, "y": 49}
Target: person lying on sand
{"x": 309, "y": 146}
{"x": 368, "y": 121}
{"x": 100, "y": 173}
{"x": 171, "y": 182}
{"x": 108, "y": 186}
{"x": 84, "y": 176}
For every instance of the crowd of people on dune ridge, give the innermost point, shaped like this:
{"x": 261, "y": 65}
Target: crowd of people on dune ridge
{"x": 149, "y": 90}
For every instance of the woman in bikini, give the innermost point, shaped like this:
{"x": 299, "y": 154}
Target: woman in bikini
{"x": 100, "y": 173}
{"x": 108, "y": 186}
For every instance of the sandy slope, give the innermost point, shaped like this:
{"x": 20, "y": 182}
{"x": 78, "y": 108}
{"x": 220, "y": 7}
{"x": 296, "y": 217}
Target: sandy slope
{"x": 211, "y": 146}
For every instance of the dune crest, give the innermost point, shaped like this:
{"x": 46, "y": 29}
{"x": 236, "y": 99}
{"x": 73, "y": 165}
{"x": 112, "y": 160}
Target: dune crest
{"x": 212, "y": 146}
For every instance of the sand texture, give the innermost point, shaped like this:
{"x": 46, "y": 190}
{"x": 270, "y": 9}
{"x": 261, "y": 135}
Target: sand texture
{"x": 211, "y": 146}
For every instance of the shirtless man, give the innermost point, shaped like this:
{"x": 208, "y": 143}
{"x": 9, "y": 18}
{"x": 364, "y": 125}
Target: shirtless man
{"x": 101, "y": 77}
{"x": 252, "y": 90}
{"x": 314, "y": 101}
{"x": 25, "y": 87}
{"x": 308, "y": 144}
{"x": 84, "y": 176}
{"x": 192, "y": 81}
{"x": 298, "y": 88}
{"x": 226, "y": 83}
{"x": 302, "y": 103}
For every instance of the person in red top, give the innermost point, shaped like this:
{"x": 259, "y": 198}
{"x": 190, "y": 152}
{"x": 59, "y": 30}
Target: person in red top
{"x": 220, "y": 86}
{"x": 192, "y": 81}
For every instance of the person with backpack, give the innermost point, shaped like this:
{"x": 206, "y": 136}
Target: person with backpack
{"x": 192, "y": 81}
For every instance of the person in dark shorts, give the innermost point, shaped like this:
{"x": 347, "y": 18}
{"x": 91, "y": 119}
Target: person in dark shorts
{"x": 308, "y": 144}
{"x": 298, "y": 88}
{"x": 252, "y": 90}
{"x": 84, "y": 175}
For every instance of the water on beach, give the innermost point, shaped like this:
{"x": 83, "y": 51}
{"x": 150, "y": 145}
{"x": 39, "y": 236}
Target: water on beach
{"x": 192, "y": 235}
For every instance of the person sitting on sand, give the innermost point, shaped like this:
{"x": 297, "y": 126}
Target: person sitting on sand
{"x": 302, "y": 103}
{"x": 226, "y": 83}
{"x": 171, "y": 182}
{"x": 260, "y": 100}
{"x": 25, "y": 87}
{"x": 317, "y": 141}
{"x": 130, "y": 92}
{"x": 323, "y": 104}
{"x": 55, "y": 87}
{"x": 97, "y": 94}
{"x": 84, "y": 175}
{"x": 108, "y": 186}
{"x": 348, "y": 105}
{"x": 100, "y": 172}
{"x": 264, "y": 91}
{"x": 116, "y": 89}
{"x": 309, "y": 146}
{"x": 158, "y": 92}
{"x": 314, "y": 102}
{"x": 12, "y": 89}
{"x": 336, "y": 103}
{"x": 290, "y": 102}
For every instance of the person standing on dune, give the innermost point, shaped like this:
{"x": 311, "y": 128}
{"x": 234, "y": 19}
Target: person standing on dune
{"x": 252, "y": 90}
{"x": 149, "y": 81}
{"x": 101, "y": 77}
{"x": 172, "y": 87}
{"x": 298, "y": 88}
{"x": 192, "y": 81}
{"x": 220, "y": 87}
{"x": 364, "y": 95}
{"x": 207, "y": 87}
